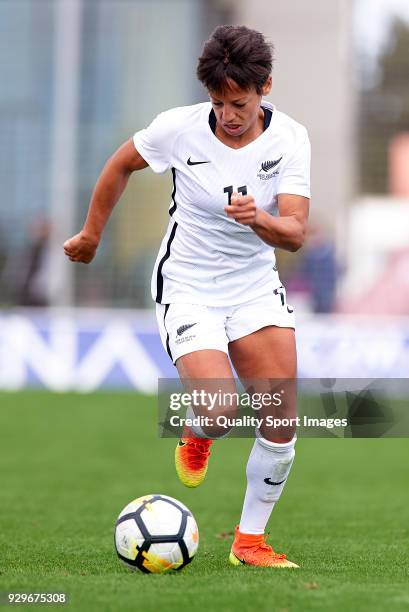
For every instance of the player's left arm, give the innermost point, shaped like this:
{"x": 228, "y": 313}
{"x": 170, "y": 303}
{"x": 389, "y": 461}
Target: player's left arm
{"x": 286, "y": 231}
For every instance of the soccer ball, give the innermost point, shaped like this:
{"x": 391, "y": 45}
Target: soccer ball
{"x": 156, "y": 534}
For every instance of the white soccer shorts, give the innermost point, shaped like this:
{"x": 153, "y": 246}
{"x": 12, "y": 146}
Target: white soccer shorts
{"x": 185, "y": 328}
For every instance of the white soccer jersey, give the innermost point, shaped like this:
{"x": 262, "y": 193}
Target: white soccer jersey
{"x": 206, "y": 257}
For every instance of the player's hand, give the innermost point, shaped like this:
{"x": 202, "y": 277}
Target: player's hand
{"x": 242, "y": 209}
{"x": 81, "y": 248}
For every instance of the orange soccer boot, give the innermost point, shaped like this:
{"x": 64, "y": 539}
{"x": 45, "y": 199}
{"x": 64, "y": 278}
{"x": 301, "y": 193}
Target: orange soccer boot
{"x": 191, "y": 459}
{"x": 250, "y": 549}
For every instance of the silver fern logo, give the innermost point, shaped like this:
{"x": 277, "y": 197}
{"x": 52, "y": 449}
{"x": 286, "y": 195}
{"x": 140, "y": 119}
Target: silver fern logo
{"x": 180, "y": 338}
{"x": 181, "y": 330}
{"x": 264, "y": 173}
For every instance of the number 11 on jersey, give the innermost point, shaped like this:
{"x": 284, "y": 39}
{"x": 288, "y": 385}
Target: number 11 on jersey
{"x": 229, "y": 191}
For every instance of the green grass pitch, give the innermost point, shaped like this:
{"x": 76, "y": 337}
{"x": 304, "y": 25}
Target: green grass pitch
{"x": 69, "y": 463}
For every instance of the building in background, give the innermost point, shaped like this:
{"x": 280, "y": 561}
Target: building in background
{"x": 26, "y": 69}
{"x": 78, "y": 78}
{"x": 313, "y": 81}
{"x": 377, "y": 279}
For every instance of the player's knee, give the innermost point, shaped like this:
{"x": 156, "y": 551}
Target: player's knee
{"x": 221, "y": 421}
{"x": 212, "y": 424}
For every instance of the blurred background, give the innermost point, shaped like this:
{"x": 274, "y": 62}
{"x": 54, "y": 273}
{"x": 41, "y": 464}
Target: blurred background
{"x": 79, "y": 77}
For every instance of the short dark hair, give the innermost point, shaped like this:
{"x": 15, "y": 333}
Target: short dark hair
{"x": 235, "y": 53}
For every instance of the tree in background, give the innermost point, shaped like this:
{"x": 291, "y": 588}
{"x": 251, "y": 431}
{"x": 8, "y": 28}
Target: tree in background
{"x": 384, "y": 111}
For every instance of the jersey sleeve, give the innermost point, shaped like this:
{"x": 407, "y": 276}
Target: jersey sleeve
{"x": 156, "y": 142}
{"x": 295, "y": 176}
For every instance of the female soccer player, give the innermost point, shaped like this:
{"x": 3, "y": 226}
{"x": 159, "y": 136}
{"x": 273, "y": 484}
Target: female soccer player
{"x": 240, "y": 188}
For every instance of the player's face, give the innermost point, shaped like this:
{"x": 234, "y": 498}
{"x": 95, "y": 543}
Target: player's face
{"x": 237, "y": 110}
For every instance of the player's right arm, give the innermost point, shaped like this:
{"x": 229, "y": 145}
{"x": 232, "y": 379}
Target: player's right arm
{"x": 108, "y": 189}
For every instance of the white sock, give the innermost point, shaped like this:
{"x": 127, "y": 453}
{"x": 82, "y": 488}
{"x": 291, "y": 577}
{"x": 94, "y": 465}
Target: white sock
{"x": 198, "y": 431}
{"x": 268, "y": 461}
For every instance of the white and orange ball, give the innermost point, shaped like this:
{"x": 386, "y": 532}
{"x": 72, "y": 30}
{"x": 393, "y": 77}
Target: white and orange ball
{"x": 156, "y": 534}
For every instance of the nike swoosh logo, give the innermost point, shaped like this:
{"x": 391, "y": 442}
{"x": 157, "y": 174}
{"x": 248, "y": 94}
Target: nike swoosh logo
{"x": 191, "y": 163}
{"x": 270, "y": 482}
{"x": 242, "y": 561}
{"x": 181, "y": 443}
